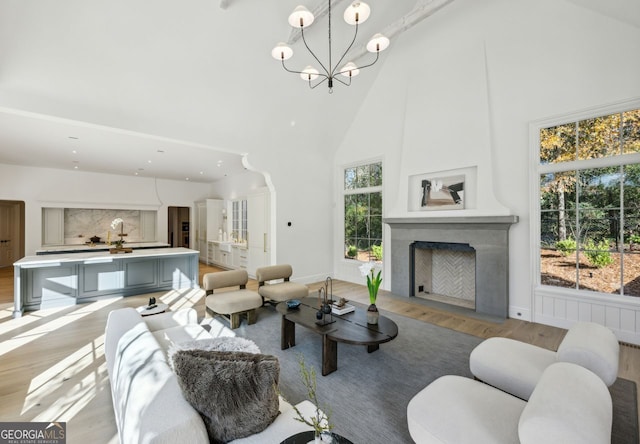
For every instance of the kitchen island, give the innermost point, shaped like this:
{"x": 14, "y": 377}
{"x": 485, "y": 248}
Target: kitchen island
{"x": 65, "y": 279}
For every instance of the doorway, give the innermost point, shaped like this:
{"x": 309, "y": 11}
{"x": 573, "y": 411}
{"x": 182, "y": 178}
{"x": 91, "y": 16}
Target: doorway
{"x": 11, "y": 232}
{"x": 179, "y": 226}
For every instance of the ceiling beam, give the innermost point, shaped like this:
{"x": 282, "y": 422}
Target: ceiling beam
{"x": 422, "y": 10}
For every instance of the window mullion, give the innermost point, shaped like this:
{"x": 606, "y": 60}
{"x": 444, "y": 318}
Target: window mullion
{"x": 622, "y": 223}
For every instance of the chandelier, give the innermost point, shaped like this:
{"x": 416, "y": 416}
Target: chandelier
{"x": 355, "y": 14}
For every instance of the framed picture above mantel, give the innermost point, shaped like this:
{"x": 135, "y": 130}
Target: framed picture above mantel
{"x": 437, "y": 191}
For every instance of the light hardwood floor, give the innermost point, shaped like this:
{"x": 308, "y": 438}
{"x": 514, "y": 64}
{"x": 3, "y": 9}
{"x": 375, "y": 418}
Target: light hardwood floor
{"x": 52, "y": 363}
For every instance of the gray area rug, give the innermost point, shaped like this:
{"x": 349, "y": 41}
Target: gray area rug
{"x": 369, "y": 393}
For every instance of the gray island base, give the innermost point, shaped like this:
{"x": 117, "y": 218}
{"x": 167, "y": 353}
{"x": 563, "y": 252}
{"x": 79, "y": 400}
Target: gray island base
{"x": 58, "y": 280}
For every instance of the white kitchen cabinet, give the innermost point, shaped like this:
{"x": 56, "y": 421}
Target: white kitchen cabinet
{"x": 225, "y": 259}
{"x": 239, "y": 256}
{"x": 219, "y": 254}
{"x": 244, "y": 258}
{"x": 235, "y": 256}
{"x": 201, "y": 231}
{"x": 53, "y": 226}
{"x": 214, "y": 218}
{"x": 209, "y": 222}
{"x": 148, "y": 222}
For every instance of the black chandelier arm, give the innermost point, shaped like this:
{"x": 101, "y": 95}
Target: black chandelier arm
{"x": 312, "y": 53}
{"x": 355, "y": 34}
{"x": 303, "y": 72}
{"x": 319, "y": 83}
{"x": 365, "y": 66}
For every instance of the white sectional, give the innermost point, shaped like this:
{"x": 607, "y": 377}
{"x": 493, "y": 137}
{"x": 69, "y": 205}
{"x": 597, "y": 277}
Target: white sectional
{"x": 148, "y": 403}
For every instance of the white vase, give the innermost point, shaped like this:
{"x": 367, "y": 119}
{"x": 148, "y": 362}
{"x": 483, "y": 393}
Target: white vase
{"x": 324, "y": 438}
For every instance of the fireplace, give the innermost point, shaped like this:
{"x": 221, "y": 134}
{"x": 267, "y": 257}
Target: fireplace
{"x": 484, "y": 237}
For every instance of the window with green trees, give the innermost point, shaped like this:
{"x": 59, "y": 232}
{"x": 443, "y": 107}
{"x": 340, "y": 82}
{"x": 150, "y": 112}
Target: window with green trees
{"x": 589, "y": 185}
{"x": 363, "y": 212}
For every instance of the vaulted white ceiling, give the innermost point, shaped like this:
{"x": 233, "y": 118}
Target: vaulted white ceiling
{"x": 118, "y": 81}
{"x": 168, "y": 89}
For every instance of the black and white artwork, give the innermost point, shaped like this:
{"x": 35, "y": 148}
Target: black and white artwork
{"x": 442, "y": 193}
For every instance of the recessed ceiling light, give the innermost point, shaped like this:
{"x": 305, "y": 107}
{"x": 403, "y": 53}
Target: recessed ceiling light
{"x": 75, "y": 167}
{"x": 201, "y": 173}
{"x": 74, "y": 152}
{"x": 135, "y": 174}
{"x": 148, "y": 161}
{"x": 187, "y": 178}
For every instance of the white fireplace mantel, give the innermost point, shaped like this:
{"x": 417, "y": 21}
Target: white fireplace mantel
{"x": 452, "y": 220}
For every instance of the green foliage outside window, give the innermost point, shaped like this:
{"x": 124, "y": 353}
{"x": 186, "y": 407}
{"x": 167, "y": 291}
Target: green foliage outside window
{"x": 567, "y": 246}
{"x": 363, "y": 211}
{"x": 598, "y": 254}
{"x": 591, "y": 208}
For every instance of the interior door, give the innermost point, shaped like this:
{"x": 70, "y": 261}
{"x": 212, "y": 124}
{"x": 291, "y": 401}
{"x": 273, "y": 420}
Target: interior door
{"x": 179, "y": 226}
{"x": 7, "y": 234}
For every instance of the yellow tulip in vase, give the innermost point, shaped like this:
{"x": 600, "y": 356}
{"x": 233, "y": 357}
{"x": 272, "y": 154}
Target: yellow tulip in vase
{"x": 373, "y": 284}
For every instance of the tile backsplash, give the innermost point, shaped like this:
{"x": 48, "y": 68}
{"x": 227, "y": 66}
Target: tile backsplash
{"x": 81, "y": 224}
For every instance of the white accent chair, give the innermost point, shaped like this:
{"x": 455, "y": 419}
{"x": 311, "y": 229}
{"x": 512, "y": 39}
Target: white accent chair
{"x": 236, "y": 300}
{"x": 570, "y": 405}
{"x": 516, "y": 367}
{"x": 281, "y": 290}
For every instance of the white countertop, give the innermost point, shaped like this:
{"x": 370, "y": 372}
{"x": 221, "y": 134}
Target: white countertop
{"x": 97, "y": 256}
{"x": 101, "y": 246}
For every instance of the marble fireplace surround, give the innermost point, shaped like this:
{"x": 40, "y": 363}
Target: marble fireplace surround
{"x": 488, "y": 235}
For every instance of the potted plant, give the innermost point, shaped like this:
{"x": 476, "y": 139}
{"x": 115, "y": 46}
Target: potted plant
{"x": 373, "y": 284}
{"x": 321, "y": 420}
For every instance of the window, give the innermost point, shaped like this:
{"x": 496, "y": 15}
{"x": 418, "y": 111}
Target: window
{"x": 239, "y": 220}
{"x": 363, "y": 212}
{"x": 589, "y": 189}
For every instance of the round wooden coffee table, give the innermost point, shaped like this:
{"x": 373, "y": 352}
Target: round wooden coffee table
{"x": 350, "y": 328}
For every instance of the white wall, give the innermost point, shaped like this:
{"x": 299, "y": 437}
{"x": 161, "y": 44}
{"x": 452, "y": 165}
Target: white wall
{"x": 42, "y": 187}
{"x": 462, "y": 93}
{"x": 302, "y": 205}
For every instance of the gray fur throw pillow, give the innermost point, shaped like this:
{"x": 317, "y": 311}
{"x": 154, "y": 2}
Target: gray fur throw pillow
{"x": 224, "y": 343}
{"x": 236, "y": 393}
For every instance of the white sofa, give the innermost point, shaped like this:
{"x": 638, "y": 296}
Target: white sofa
{"x": 569, "y": 405}
{"x": 148, "y": 403}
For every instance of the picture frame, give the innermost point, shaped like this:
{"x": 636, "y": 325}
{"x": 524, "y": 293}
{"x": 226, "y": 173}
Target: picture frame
{"x": 437, "y": 192}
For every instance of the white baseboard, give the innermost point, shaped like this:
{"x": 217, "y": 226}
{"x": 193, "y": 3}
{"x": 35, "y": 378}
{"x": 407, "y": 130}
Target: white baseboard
{"x": 521, "y": 313}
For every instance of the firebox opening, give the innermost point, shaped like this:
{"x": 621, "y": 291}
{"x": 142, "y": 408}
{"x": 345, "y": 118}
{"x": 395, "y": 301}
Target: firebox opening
{"x": 444, "y": 272}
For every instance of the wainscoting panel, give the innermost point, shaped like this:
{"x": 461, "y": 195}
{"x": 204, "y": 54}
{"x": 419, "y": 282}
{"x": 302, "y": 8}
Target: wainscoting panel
{"x": 562, "y": 308}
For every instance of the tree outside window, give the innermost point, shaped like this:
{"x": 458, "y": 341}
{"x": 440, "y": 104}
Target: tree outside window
{"x": 589, "y": 179}
{"x": 363, "y": 212}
